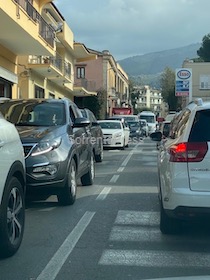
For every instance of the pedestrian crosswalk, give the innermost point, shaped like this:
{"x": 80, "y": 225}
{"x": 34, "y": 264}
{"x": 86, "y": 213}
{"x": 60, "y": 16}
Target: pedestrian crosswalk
{"x": 142, "y": 228}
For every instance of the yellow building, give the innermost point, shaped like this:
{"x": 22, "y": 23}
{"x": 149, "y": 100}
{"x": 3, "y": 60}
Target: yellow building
{"x": 37, "y": 51}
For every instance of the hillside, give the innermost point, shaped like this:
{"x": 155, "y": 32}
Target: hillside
{"x": 147, "y": 68}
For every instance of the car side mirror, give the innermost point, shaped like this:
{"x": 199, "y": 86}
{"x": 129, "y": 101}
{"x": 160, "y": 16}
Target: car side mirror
{"x": 95, "y": 123}
{"x": 156, "y": 136}
{"x": 81, "y": 122}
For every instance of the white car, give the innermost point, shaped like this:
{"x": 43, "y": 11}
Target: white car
{"x": 183, "y": 167}
{"x": 12, "y": 189}
{"x": 114, "y": 134}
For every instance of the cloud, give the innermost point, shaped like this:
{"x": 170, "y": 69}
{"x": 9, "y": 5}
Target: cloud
{"x": 128, "y": 28}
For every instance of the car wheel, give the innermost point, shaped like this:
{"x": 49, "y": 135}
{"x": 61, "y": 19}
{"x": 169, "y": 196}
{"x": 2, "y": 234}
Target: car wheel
{"x": 67, "y": 196}
{"x": 99, "y": 157}
{"x": 12, "y": 218}
{"x": 123, "y": 147}
{"x": 168, "y": 225}
{"x": 87, "y": 178}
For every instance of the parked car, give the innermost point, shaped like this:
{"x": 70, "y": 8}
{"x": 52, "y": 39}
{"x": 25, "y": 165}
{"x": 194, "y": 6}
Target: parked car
{"x": 96, "y": 134}
{"x": 136, "y": 131}
{"x": 144, "y": 127}
{"x": 56, "y": 145}
{"x": 12, "y": 189}
{"x": 125, "y": 127}
{"x": 114, "y": 135}
{"x": 183, "y": 167}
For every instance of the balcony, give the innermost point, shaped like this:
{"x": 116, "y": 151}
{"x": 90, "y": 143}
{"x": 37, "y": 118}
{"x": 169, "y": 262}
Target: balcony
{"x": 25, "y": 30}
{"x": 54, "y": 68}
{"x": 84, "y": 87}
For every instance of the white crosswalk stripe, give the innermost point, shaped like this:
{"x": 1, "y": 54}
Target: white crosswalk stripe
{"x": 143, "y": 227}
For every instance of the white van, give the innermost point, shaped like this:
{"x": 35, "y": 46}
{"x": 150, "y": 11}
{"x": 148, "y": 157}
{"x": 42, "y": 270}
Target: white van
{"x": 150, "y": 117}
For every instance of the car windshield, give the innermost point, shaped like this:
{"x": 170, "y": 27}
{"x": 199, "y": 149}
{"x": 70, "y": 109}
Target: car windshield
{"x": 133, "y": 124}
{"x": 31, "y": 113}
{"x": 110, "y": 125}
{"x": 149, "y": 119}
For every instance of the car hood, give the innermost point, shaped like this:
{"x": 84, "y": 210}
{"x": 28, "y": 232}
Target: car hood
{"x": 37, "y": 133}
{"x": 111, "y": 131}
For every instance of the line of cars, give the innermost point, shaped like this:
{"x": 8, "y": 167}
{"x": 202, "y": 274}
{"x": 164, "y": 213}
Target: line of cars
{"x": 46, "y": 148}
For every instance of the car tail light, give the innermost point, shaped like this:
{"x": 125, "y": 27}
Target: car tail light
{"x": 188, "y": 152}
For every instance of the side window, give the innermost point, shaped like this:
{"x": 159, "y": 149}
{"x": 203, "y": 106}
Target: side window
{"x": 200, "y": 129}
{"x": 92, "y": 117}
{"x": 72, "y": 115}
{"x": 180, "y": 123}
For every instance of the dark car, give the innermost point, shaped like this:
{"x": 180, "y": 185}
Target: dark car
{"x": 135, "y": 129}
{"x": 56, "y": 145}
{"x": 96, "y": 134}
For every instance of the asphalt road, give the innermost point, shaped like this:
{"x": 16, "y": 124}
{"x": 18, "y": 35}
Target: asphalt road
{"x": 111, "y": 232}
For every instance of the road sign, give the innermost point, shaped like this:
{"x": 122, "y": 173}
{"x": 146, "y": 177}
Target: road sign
{"x": 183, "y": 82}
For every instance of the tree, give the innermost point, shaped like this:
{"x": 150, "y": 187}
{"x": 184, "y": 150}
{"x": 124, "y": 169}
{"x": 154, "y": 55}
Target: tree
{"x": 168, "y": 89}
{"x": 97, "y": 104}
{"x": 204, "y": 51}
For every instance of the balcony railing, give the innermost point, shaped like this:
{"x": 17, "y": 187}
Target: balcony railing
{"x": 45, "y": 30}
{"x": 88, "y": 85}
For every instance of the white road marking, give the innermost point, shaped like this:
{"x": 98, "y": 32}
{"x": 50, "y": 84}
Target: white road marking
{"x": 135, "y": 234}
{"x": 114, "y": 178}
{"x": 120, "y": 169}
{"x": 124, "y": 163}
{"x": 103, "y": 194}
{"x": 55, "y": 264}
{"x": 47, "y": 209}
{"x": 125, "y": 217}
{"x": 154, "y": 258}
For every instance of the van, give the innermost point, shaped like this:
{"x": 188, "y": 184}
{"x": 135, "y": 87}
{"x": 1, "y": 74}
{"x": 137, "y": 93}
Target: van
{"x": 150, "y": 117}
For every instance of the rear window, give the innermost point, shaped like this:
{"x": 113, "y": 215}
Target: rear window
{"x": 200, "y": 131}
{"x": 149, "y": 119}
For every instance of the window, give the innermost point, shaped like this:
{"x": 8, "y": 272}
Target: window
{"x": 204, "y": 81}
{"x": 39, "y": 92}
{"x": 80, "y": 72}
{"x": 5, "y": 89}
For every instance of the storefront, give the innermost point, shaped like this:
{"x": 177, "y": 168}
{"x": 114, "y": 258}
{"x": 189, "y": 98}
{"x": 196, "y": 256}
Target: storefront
{"x": 7, "y": 79}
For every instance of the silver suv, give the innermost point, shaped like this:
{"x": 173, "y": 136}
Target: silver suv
{"x": 12, "y": 189}
{"x": 183, "y": 167}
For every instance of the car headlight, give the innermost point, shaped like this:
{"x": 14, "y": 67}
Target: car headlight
{"x": 117, "y": 135}
{"x": 46, "y": 146}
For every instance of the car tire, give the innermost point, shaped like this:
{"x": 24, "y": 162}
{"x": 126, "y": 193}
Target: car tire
{"x": 168, "y": 225}
{"x": 12, "y": 218}
{"x": 99, "y": 157}
{"x": 67, "y": 196}
{"x": 87, "y": 178}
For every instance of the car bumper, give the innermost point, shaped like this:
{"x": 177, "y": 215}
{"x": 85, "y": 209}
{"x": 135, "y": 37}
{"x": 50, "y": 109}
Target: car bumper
{"x": 184, "y": 203}
{"x": 114, "y": 142}
{"x": 41, "y": 173}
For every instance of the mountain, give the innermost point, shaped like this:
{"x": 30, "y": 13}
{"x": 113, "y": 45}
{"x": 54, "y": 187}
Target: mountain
{"x": 147, "y": 68}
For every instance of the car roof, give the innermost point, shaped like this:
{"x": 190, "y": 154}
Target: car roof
{"x": 36, "y": 100}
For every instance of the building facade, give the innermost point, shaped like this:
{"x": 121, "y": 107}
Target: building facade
{"x": 38, "y": 51}
{"x": 148, "y": 98}
{"x": 200, "y": 80}
{"x": 104, "y": 75}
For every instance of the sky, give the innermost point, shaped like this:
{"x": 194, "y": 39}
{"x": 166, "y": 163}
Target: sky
{"x": 135, "y": 27}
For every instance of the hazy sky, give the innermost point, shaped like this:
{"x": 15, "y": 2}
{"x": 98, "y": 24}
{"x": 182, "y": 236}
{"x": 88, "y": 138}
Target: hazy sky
{"x": 133, "y": 27}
